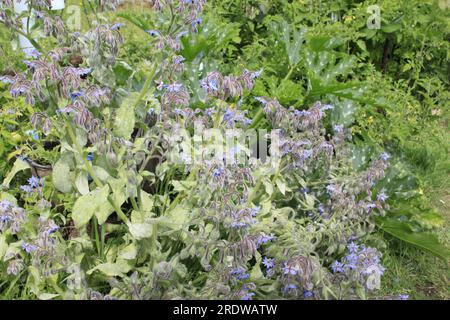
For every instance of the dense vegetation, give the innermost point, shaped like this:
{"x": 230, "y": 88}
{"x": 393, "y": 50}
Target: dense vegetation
{"x": 96, "y": 202}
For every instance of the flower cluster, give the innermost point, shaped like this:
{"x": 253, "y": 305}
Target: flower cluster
{"x": 362, "y": 265}
{"x": 224, "y": 87}
{"x": 12, "y": 218}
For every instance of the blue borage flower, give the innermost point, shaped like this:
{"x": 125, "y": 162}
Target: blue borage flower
{"x": 289, "y": 287}
{"x": 248, "y": 296}
{"x": 76, "y": 95}
{"x": 154, "y": 33}
{"x": 385, "y": 157}
{"x": 117, "y": 26}
{"x": 327, "y": 107}
{"x": 255, "y": 210}
{"x": 50, "y": 227}
{"x": 382, "y": 197}
{"x": 29, "y": 247}
{"x": 371, "y": 205}
{"x": 331, "y": 189}
{"x": 82, "y": 72}
{"x": 352, "y": 247}
{"x": 219, "y": 172}
{"x": 338, "y": 128}
{"x": 264, "y": 238}
{"x": 269, "y": 263}
{"x": 26, "y": 188}
{"x": 32, "y": 53}
{"x": 196, "y": 22}
{"x": 7, "y": 79}
{"x": 5, "y": 205}
{"x": 34, "y": 182}
{"x": 33, "y": 133}
{"x": 290, "y": 270}
{"x": 239, "y": 273}
{"x": 360, "y": 264}
{"x": 307, "y": 294}
{"x": 337, "y": 267}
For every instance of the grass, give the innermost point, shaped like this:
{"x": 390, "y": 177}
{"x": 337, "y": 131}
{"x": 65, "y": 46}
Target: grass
{"x": 410, "y": 270}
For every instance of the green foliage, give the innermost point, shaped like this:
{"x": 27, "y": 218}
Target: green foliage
{"x": 388, "y": 85}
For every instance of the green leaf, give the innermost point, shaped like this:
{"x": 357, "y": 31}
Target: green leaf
{"x": 422, "y": 240}
{"x": 109, "y": 269}
{"x": 129, "y": 252}
{"x": 391, "y": 27}
{"x": 81, "y": 182}
{"x": 47, "y": 296}
{"x": 281, "y": 186}
{"x": 62, "y": 179}
{"x": 141, "y": 230}
{"x": 125, "y": 118}
{"x": 95, "y": 202}
{"x": 3, "y": 245}
{"x": 18, "y": 166}
{"x": 147, "y": 202}
{"x": 179, "y": 186}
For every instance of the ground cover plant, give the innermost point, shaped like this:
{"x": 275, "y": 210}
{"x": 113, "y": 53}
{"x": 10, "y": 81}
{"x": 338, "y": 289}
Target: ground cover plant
{"x": 224, "y": 150}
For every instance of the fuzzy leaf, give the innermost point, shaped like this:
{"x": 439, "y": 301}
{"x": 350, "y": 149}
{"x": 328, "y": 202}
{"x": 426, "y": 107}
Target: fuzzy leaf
{"x": 61, "y": 174}
{"x": 19, "y": 165}
{"x": 81, "y": 182}
{"x": 141, "y": 230}
{"x": 125, "y": 117}
{"x": 92, "y": 203}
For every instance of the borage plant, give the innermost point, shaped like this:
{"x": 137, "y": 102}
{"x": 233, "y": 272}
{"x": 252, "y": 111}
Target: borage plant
{"x": 150, "y": 198}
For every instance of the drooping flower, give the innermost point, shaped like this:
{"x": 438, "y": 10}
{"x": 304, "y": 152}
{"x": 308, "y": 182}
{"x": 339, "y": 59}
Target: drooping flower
{"x": 29, "y": 247}
{"x": 382, "y": 197}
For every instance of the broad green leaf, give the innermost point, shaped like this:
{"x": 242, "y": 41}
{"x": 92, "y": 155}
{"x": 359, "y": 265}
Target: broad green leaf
{"x": 109, "y": 269}
{"x": 95, "y": 202}
{"x": 179, "y": 186}
{"x": 269, "y": 187}
{"x": 147, "y": 202}
{"x": 425, "y": 241}
{"x": 101, "y": 173}
{"x": 61, "y": 176}
{"x": 129, "y": 252}
{"x": 18, "y": 166}
{"x": 140, "y": 230}
{"x": 391, "y": 27}
{"x": 178, "y": 216}
{"x": 124, "y": 120}
{"x": 81, "y": 182}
